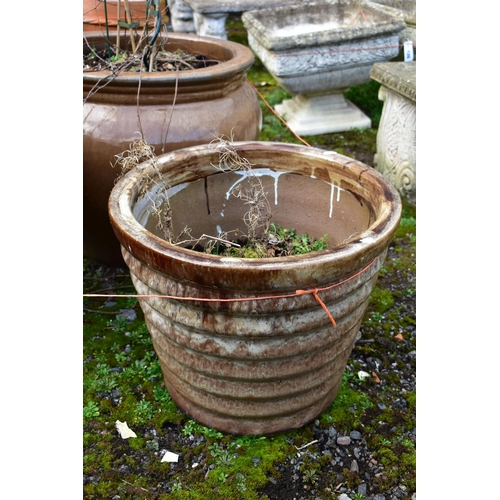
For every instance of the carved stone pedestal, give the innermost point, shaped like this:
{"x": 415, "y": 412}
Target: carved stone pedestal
{"x": 321, "y": 114}
{"x": 396, "y": 137}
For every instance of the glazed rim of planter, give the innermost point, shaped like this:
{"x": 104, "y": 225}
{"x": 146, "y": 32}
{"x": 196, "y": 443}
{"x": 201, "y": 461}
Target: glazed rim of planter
{"x": 234, "y": 62}
{"x": 241, "y": 348}
{"x": 189, "y": 164}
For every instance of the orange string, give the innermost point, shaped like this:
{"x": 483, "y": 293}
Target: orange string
{"x": 296, "y": 294}
{"x": 321, "y": 303}
{"x": 274, "y": 112}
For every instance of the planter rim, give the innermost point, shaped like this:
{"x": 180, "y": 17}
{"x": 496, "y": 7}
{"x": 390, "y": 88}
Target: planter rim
{"x": 362, "y": 248}
{"x": 255, "y": 24}
{"x": 241, "y": 60}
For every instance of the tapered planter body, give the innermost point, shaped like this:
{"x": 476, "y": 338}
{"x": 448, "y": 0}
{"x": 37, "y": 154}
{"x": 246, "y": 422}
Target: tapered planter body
{"x": 171, "y": 110}
{"x": 243, "y": 349}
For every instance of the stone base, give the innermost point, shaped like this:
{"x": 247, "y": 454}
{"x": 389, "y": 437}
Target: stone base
{"x": 321, "y": 114}
{"x": 181, "y": 17}
{"x": 396, "y": 156}
{"x": 211, "y": 24}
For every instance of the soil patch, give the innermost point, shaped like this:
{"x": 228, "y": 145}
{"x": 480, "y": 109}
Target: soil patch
{"x": 104, "y": 60}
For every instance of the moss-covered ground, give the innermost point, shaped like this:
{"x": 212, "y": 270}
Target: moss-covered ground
{"x": 123, "y": 381}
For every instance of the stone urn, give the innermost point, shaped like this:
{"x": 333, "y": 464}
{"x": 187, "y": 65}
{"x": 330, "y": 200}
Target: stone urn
{"x": 170, "y": 110}
{"x": 316, "y": 51}
{"x": 256, "y": 346}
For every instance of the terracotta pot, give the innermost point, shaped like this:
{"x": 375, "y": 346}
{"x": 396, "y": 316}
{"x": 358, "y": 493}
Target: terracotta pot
{"x": 171, "y": 111}
{"x": 258, "y": 357}
{"x": 94, "y": 14}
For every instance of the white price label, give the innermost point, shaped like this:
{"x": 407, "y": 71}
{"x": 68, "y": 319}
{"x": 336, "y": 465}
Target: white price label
{"x": 408, "y": 49}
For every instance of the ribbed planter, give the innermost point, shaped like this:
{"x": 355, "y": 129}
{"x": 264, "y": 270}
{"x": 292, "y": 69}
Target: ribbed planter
{"x": 171, "y": 110}
{"x": 242, "y": 349}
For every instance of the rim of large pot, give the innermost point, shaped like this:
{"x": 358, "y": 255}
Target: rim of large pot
{"x": 238, "y": 60}
{"x": 347, "y": 257}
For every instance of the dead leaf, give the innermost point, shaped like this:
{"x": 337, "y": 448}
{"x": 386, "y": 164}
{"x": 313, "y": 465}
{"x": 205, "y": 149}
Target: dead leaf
{"x": 170, "y": 457}
{"x": 124, "y": 430}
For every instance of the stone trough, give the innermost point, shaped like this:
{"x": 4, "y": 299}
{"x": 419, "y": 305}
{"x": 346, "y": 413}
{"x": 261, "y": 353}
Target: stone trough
{"x": 316, "y": 51}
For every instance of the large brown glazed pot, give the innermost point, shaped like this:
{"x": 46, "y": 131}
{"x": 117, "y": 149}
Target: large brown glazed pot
{"x": 232, "y": 361}
{"x": 171, "y": 110}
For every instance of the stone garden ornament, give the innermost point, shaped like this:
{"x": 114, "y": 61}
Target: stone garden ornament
{"x": 316, "y": 51}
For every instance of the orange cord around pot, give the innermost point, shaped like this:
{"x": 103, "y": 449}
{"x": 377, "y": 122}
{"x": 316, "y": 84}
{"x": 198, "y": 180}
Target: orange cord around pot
{"x": 297, "y": 293}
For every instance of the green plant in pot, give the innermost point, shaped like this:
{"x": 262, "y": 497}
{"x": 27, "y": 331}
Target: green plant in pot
{"x": 169, "y": 109}
{"x": 254, "y": 346}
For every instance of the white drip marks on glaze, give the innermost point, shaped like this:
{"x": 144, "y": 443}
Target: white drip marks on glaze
{"x": 333, "y": 186}
{"x": 261, "y": 172}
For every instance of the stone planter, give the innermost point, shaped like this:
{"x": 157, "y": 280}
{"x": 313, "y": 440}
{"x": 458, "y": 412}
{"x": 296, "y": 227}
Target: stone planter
{"x": 171, "y": 110}
{"x": 396, "y": 156}
{"x": 242, "y": 349}
{"x": 407, "y": 11}
{"x": 316, "y": 51}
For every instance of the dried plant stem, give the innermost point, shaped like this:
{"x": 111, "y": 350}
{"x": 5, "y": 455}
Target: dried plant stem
{"x": 259, "y": 214}
{"x": 140, "y": 151}
{"x": 118, "y": 27}
{"x": 207, "y": 236}
{"x": 129, "y": 21}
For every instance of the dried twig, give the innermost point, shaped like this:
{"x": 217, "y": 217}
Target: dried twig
{"x": 306, "y": 445}
{"x": 259, "y": 214}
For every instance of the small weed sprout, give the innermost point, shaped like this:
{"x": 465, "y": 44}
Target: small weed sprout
{"x": 223, "y": 477}
{"x": 176, "y": 486}
{"x": 310, "y": 475}
{"x": 143, "y": 412}
{"x": 91, "y": 410}
{"x": 222, "y": 457}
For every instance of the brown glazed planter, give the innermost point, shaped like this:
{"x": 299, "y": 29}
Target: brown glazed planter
{"x": 171, "y": 111}
{"x": 94, "y": 13}
{"x": 235, "y": 362}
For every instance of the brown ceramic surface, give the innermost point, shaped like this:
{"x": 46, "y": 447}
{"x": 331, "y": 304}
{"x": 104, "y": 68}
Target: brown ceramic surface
{"x": 94, "y": 13}
{"x": 259, "y": 366}
{"x": 175, "y": 110}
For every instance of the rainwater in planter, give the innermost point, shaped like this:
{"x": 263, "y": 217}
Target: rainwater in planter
{"x": 255, "y": 346}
